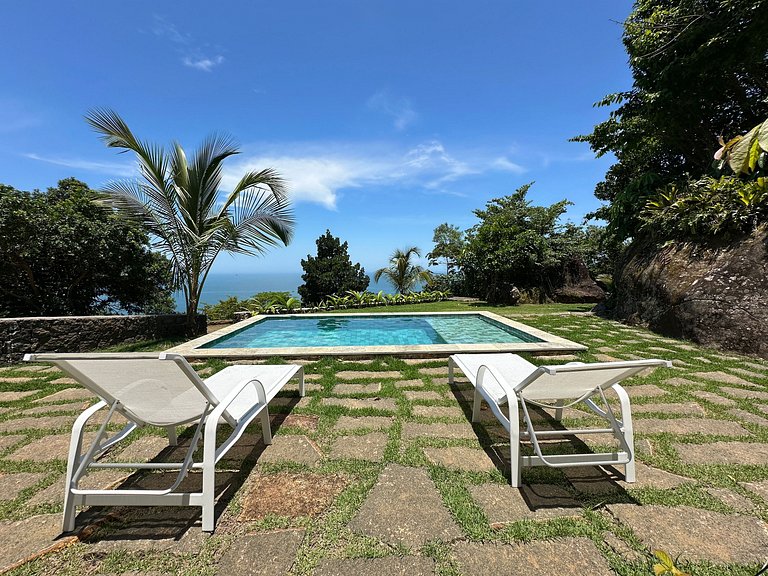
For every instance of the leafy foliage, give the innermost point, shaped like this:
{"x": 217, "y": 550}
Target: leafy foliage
{"x": 62, "y": 254}
{"x": 699, "y": 69}
{"x": 517, "y": 245}
{"x": 402, "y": 273}
{"x": 449, "y": 243}
{"x": 178, "y": 201}
{"x": 331, "y": 271}
{"x": 705, "y": 208}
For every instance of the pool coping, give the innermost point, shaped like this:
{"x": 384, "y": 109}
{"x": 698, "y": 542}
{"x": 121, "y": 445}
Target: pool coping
{"x": 550, "y": 343}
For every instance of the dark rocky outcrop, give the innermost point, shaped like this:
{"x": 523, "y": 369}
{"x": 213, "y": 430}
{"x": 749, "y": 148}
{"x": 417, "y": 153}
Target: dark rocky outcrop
{"x": 713, "y": 294}
{"x": 575, "y": 285}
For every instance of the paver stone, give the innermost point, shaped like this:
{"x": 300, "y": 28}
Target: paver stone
{"x": 695, "y": 534}
{"x": 460, "y": 458}
{"x": 404, "y": 508}
{"x": 270, "y": 554}
{"x": 560, "y": 556}
{"x": 502, "y": 503}
{"x": 361, "y": 422}
{"x": 367, "y": 447}
{"x": 387, "y": 566}
{"x": 746, "y": 453}
{"x": 23, "y": 539}
{"x": 292, "y": 448}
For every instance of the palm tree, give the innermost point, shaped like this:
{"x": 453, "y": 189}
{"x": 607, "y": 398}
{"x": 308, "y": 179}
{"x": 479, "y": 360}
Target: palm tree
{"x": 401, "y": 272}
{"x": 178, "y": 202}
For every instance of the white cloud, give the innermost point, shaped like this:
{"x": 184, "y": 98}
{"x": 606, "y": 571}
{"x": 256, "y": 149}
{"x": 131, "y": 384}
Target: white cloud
{"x": 192, "y": 56}
{"x": 113, "y": 168}
{"x": 319, "y": 175}
{"x": 400, "y": 110}
{"x": 204, "y": 64}
{"x": 503, "y": 163}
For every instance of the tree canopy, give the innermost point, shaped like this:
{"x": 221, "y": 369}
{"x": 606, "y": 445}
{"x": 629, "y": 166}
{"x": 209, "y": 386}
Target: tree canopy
{"x": 178, "y": 201}
{"x": 699, "y": 71}
{"x": 331, "y": 271}
{"x": 519, "y": 245}
{"x": 449, "y": 242}
{"x": 62, "y": 254}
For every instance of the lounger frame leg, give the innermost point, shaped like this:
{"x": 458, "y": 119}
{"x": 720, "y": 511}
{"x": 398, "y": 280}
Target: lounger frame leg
{"x": 477, "y": 405}
{"x": 515, "y": 458}
{"x": 629, "y": 433}
{"x": 266, "y": 429}
{"x": 209, "y": 473}
{"x": 173, "y": 440}
{"x": 73, "y": 463}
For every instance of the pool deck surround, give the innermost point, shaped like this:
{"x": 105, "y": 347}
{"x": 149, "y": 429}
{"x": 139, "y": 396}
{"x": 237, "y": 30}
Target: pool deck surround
{"x": 549, "y": 342}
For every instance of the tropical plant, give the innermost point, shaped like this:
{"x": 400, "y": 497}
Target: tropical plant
{"x": 705, "y": 208}
{"x": 402, "y": 273}
{"x": 178, "y": 202}
{"x": 331, "y": 271}
{"x": 62, "y": 254}
{"x": 746, "y": 155}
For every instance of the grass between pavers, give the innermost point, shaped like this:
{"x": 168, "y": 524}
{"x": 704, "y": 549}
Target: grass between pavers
{"x": 328, "y": 535}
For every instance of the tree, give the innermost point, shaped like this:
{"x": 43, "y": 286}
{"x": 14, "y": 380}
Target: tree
{"x": 699, "y": 69}
{"x": 401, "y": 272}
{"x": 330, "y": 272}
{"x": 62, "y": 254}
{"x": 515, "y": 245}
{"x": 178, "y": 201}
{"x": 449, "y": 242}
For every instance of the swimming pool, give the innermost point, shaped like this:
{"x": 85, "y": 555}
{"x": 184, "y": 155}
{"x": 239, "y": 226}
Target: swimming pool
{"x": 373, "y": 330}
{"x": 357, "y": 334}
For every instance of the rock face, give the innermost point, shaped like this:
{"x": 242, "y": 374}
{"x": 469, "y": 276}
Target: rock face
{"x": 576, "y": 285}
{"x": 714, "y": 295}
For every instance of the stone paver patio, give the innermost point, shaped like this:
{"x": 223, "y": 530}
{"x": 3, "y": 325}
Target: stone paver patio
{"x": 378, "y": 471}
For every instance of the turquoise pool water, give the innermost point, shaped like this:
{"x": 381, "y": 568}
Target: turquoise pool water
{"x": 399, "y": 330}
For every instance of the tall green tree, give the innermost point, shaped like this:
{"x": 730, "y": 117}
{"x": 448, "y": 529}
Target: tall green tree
{"x": 331, "y": 271}
{"x": 699, "y": 71}
{"x": 402, "y": 272}
{"x": 449, "y": 242}
{"x": 178, "y": 201}
{"x": 515, "y": 245}
{"x": 61, "y": 254}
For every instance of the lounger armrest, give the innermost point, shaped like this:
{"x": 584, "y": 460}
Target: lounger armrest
{"x": 509, "y": 391}
{"x": 236, "y": 391}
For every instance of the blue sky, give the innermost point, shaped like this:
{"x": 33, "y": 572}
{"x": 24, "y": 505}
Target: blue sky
{"x": 386, "y": 117}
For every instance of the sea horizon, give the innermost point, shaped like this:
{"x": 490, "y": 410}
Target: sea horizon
{"x": 221, "y": 285}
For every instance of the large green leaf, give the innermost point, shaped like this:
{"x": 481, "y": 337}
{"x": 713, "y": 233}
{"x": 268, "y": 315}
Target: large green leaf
{"x": 738, "y": 158}
{"x": 762, "y": 135}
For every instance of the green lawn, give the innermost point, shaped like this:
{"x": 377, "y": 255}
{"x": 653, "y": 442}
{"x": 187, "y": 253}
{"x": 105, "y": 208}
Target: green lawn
{"x": 329, "y": 536}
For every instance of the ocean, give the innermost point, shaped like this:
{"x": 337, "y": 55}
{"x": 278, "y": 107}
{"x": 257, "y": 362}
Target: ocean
{"x": 220, "y": 286}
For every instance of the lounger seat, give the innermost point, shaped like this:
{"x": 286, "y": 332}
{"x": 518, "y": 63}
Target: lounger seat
{"x": 164, "y": 391}
{"x": 501, "y": 379}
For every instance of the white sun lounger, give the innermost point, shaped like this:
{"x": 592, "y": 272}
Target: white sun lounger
{"x": 509, "y": 379}
{"x": 163, "y": 391}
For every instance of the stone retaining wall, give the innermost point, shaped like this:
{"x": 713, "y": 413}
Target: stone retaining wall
{"x": 19, "y": 336}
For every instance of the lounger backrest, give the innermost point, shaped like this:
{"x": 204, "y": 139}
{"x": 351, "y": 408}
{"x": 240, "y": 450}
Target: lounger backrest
{"x": 572, "y": 381}
{"x": 150, "y": 391}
